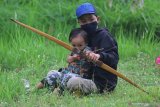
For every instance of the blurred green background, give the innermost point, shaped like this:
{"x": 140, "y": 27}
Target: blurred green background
{"x": 135, "y": 24}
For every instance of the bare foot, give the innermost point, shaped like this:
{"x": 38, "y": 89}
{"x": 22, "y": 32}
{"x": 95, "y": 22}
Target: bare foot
{"x": 40, "y": 85}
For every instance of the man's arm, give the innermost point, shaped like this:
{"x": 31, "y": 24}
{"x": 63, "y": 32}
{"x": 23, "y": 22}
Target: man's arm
{"x": 110, "y": 53}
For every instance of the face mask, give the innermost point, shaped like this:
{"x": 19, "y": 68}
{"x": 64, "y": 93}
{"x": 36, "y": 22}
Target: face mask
{"x": 90, "y": 28}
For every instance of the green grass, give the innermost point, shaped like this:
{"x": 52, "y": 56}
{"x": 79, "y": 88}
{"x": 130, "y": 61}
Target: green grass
{"x": 26, "y": 55}
{"x": 140, "y": 69}
{"x": 55, "y": 15}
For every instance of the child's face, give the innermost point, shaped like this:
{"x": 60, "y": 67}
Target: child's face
{"x": 78, "y": 42}
{"x": 88, "y": 18}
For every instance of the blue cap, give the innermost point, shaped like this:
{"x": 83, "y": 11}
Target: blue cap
{"x": 85, "y": 8}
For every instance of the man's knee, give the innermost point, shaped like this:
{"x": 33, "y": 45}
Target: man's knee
{"x": 73, "y": 83}
{"x": 84, "y": 85}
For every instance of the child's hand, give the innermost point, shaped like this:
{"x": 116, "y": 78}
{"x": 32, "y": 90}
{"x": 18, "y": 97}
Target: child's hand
{"x": 92, "y": 56}
{"x": 73, "y": 58}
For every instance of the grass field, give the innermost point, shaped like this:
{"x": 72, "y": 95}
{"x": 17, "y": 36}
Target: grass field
{"x": 140, "y": 69}
{"x": 26, "y": 55}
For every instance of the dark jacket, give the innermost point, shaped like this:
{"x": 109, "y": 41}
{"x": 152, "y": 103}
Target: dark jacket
{"x": 104, "y": 41}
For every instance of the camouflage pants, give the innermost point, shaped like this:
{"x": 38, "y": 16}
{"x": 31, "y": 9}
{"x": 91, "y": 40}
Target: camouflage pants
{"x": 55, "y": 78}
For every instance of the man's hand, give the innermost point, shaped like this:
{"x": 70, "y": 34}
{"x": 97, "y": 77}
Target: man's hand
{"x": 92, "y": 56}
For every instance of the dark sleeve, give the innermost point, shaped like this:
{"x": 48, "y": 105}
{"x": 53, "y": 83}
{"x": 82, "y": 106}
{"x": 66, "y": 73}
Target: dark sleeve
{"x": 109, "y": 55}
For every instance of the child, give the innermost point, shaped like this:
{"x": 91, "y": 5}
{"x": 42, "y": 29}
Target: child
{"x": 98, "y": 38}
{"x": 78, "y": 65}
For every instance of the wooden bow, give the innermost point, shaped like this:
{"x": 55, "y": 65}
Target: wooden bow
{"x": 67, "y": 46}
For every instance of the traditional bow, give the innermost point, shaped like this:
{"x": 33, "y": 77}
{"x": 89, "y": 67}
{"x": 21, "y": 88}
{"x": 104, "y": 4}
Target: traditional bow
{"x": 67, "y": 46}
